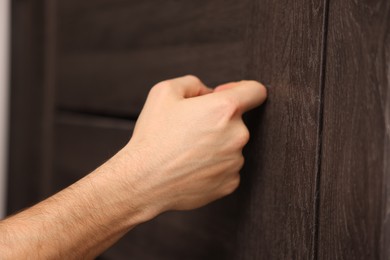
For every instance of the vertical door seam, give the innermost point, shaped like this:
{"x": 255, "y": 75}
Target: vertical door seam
{"x": 320, "y": 116}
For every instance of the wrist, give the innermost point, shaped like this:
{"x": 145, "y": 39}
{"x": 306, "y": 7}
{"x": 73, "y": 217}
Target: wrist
{"x": 133, "y": 193}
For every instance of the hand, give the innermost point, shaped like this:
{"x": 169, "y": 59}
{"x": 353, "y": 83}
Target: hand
{"x": 186, "y": 151}
{"x": 189, "y": 140}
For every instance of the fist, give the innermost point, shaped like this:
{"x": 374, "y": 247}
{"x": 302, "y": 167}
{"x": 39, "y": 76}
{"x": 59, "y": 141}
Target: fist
{"x": 189, "y": 140}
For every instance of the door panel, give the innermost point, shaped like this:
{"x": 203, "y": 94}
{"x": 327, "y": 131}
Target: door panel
{"x": 206, "y": 233}
{"x": 354, "y": 211}
{"x": 118, "y": 82}
{"x": 117, "y": 25}
{"x": 82, "y": 143}
{"x": 110, "y": 53}
{"x": 278, "y": 189}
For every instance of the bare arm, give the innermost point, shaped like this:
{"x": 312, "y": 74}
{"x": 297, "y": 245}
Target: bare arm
{"x": 79, "y": 222}
{"x": 186, "y": 151}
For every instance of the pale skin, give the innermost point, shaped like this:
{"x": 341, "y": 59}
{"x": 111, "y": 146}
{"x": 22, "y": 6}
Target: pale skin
{"x": 185, "y": 152}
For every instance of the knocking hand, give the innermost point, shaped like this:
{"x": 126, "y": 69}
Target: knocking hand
{"x": 186, "y": 151}
{"x": 189, "y": 140}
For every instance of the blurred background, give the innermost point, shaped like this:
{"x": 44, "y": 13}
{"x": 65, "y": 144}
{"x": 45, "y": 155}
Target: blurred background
{"x": 4, "y": 64}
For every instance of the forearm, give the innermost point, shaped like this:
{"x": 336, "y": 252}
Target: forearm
{"x": 173, "y": 162}
{"x": 81, "y": 221}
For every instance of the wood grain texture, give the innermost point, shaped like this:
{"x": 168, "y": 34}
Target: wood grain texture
{"x": 82, "y": 143}
{"x": 277, "y": 199}
{"x": 117, "y": 50}
{"x": 354, "y": 204}
{"x": 108, "y": 53}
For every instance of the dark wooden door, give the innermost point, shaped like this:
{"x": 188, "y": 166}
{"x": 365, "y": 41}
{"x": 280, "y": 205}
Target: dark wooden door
{"x": 315, "y": 181}
{"x": 355, "y": 169}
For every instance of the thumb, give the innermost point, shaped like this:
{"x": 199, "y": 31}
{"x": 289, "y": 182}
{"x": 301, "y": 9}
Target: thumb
{"x": 225, "y": 86}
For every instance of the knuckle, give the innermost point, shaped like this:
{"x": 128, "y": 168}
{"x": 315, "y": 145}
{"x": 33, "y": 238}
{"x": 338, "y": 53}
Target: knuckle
{"x": 232, "y": 185}
{"x": 243, "y": 137}
{"x": 192, "y": 78}
{"x": 240, "y": 162}
{"x": 236, "y": 182}
{"x": 236, "y": 163}
{"x": 161, "y": 88}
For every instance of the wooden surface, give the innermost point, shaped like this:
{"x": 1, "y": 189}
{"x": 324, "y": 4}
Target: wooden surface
{"x": 120, "y": 81}
{"x": 119, "y": 49}
{"x": 117, "y": 25}
{"x": 355, "y": 172}
{"x": 83, "y": 143}
{"x": 316, "y": 180}
{"x": 279, "y": 178}
{"x": 206, "y": 233}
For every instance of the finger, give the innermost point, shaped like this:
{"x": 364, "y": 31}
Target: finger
{"x": 247, "y": 94}
{"x": 225, "y": 86}
{"x": 189, "y": 86}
